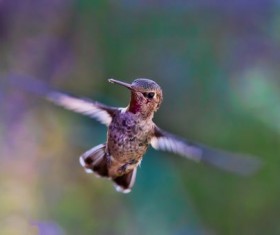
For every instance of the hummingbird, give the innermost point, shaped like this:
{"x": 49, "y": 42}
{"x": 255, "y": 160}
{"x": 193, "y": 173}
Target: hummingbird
{"x": 131, "y": 130}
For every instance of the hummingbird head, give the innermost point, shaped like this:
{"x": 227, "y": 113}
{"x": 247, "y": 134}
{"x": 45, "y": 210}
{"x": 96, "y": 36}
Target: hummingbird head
{"x": 146, "y": 96}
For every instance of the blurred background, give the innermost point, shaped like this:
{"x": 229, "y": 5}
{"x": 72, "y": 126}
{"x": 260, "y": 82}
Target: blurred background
{"x": 218, "y": 64}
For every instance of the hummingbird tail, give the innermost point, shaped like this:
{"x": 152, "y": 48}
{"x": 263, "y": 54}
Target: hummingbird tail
{"x": 95, "y": 161}
{"x": 125, "y": 182}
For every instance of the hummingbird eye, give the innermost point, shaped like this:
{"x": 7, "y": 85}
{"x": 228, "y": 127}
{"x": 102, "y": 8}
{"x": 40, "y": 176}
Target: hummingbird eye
{"x": 149, "y": 95}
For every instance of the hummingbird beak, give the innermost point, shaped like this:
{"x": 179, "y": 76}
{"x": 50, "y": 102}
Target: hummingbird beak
{"x": 127, "y": 85}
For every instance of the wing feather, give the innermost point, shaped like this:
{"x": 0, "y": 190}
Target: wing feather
{"x": 237, "y": 163}
{"x": 84, "y": 106}
{"x": 87, "y": 107}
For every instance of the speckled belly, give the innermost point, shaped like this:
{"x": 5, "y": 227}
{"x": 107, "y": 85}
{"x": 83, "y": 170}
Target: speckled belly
{"x": 127, "y": 141}
{"x": 125, "y": 146}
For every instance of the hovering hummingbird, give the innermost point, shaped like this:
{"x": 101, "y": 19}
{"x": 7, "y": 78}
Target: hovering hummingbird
{"x": 131, "y": 130}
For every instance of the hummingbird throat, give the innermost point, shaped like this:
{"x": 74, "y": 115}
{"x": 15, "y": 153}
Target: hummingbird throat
{"x": 138, "y": 105}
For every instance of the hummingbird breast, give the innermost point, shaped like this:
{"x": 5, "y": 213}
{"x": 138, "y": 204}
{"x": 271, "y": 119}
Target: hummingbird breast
{"x": 128, "y": 138}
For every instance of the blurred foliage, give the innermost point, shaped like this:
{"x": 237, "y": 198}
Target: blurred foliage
{"x": 218, "y": 64}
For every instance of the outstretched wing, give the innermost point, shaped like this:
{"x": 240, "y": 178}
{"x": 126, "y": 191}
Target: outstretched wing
{"x": 84, "y": 106}
{"x": 87, "y": 107}
{"x": 236, "y": 163}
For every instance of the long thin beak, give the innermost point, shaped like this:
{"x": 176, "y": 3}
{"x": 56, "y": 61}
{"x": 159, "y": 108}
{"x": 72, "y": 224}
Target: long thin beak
{"x": 127, "y": 85}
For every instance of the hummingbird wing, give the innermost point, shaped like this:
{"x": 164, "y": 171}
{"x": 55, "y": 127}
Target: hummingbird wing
{"x": 84, "y": 106}
{"x": 236, "y": 163}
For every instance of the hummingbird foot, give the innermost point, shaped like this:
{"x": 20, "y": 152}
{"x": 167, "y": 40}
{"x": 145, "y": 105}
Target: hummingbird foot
{"x": 127, "y": 167}
{"x": 122, "y": 169}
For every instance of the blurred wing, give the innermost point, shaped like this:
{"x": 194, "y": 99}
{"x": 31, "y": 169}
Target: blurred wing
{"x": 236, "y": 163}
{"x": 84, "y": 106}
{"x": 87, "y": 107}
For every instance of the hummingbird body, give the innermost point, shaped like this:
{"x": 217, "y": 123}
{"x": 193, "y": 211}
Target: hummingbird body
{"x": 128, "y": 138}
{"x": 131, "y": 130}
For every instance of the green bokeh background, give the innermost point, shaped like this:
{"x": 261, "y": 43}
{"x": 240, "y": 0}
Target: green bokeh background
{"x": 218, "y": 64}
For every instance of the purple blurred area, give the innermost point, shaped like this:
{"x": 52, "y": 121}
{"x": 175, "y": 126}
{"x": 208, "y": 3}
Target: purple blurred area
{"x": 218, "y": 65}
{"x": 47, "y": 228}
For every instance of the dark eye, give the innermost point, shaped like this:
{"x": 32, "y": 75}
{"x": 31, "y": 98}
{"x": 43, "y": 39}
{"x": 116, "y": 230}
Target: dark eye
{"x": 149, "y": 95}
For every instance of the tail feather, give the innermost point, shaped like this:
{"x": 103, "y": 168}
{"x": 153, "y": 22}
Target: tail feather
{"x": 95, "y": 161}
{"x": 125, "y": 182}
